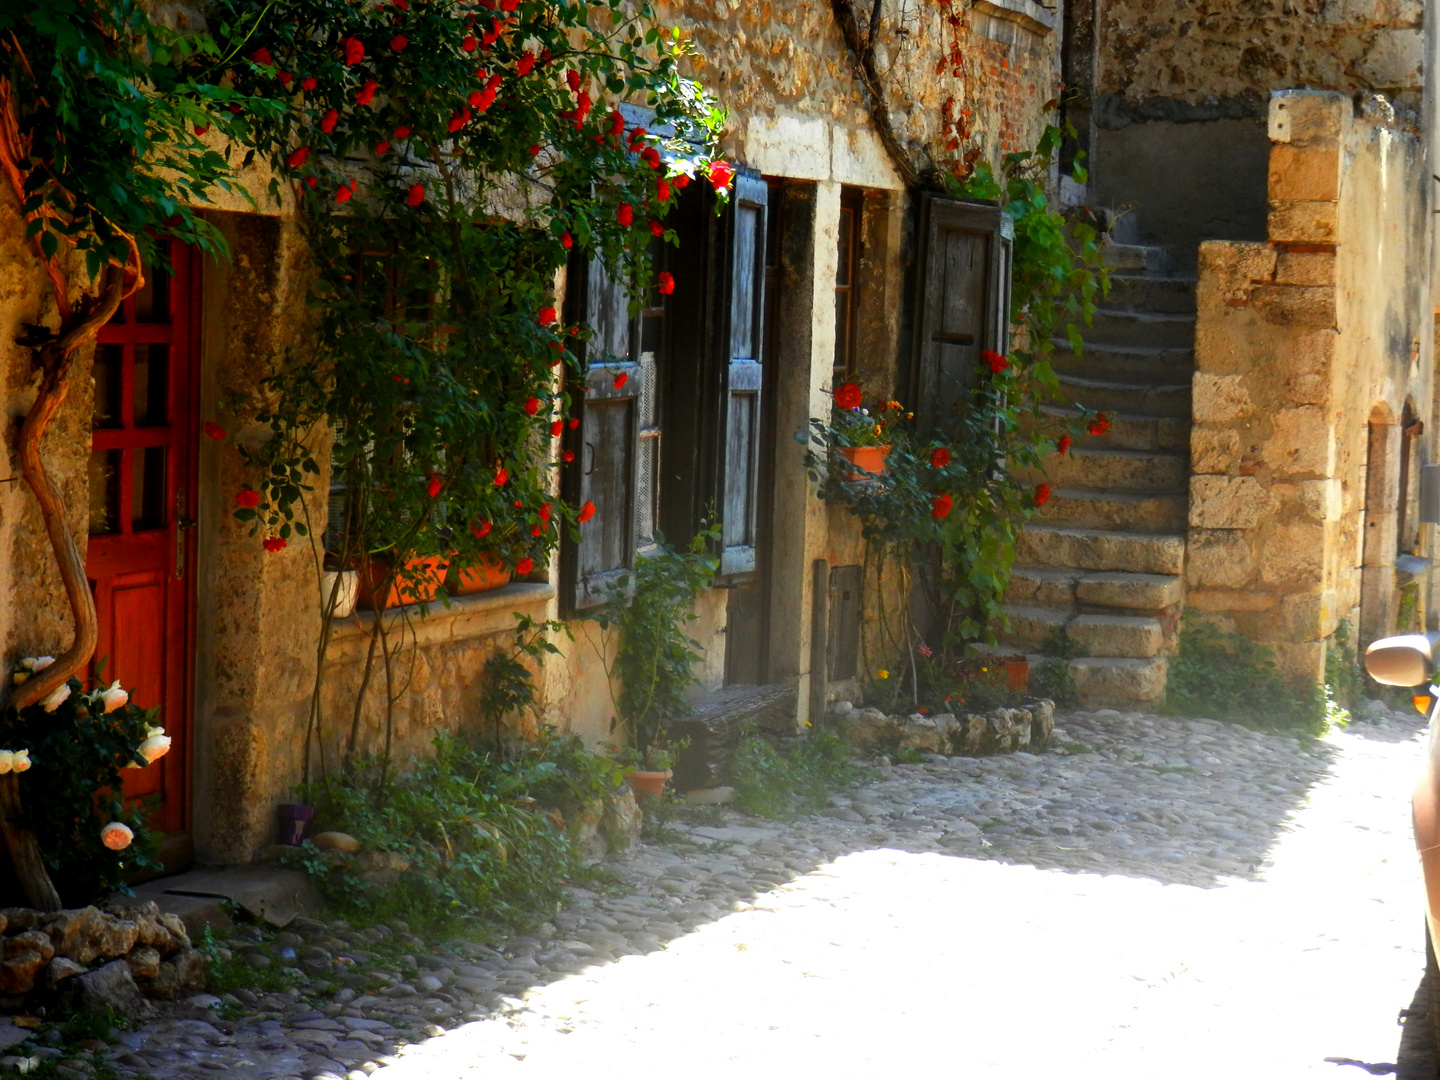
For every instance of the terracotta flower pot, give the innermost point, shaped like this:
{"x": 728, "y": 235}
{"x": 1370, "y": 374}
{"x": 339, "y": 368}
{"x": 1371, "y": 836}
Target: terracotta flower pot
{"x": 1017, "y": 669}
{"x": 345, "y": 599}
{"x": 869, "y": 458}
{"x": 415, "y": 582}
{"x": 483, "y": 575}
{"x": 648, "y": 784}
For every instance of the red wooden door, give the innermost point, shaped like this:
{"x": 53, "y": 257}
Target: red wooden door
{"x": 142, "y": 476}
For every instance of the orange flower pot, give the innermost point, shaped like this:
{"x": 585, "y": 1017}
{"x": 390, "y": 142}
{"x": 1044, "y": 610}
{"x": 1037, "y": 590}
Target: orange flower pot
{"x": 482, "y": 576}
{"x": 648, "y": 784}
{"x": 415, "y": 582}
{"x": 869, "y": 458}
{"x": 1017, "y": 669}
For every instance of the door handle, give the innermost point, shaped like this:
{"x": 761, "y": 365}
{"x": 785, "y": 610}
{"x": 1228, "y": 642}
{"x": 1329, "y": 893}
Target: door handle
{"x": 181, "y": 524}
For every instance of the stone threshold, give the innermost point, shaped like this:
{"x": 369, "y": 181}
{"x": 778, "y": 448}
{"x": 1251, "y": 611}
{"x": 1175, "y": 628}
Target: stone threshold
{"x": 478, "y": 615}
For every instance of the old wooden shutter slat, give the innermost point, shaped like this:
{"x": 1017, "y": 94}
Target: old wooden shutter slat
{"x": 744, "y": 339}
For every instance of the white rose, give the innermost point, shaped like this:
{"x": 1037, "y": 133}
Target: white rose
{"x": 7, "y": 761}
{"x": 116, "y": 836}
{"x": 41, "y": 663}
{"x": 153, "y": 749}
{"x": 20, "y": 760}
{"x": 57, "y": 698}
{"x": 113, "y": 697}
{"x": 150, "y": 733}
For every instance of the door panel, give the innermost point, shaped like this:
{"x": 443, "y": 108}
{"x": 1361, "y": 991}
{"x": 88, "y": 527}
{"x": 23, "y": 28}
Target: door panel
{"x": 141, "y": 550}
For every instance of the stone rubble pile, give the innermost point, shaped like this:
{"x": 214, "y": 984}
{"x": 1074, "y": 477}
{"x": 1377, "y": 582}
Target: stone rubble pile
{"x": 998, "y": 731}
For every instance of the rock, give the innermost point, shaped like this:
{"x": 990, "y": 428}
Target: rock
{"x": 381, "y": 869}
{"x": 973, "y": 729}
{"x": 338, "y": 841}
{"x": 1022, "y": 720}
{"x": 839, "y": 708}
{"x": 620, "y": 824}
{"x": 108, "y": 987}
{"x": 1374, "y": 710}
{"x": 202, "y": 1001}
{"x": 18, "y": 919}
{"x": 867, "y": 727}
{"x": 175, "y": 927}
{"x": 1000, "y": 730}
{"x": 920, "y": 733}
{"x": 1042, "y": 720}
{"x": 144, "y": 961}
{"x": 23, "y": 957}
{"x": 12, "y": 1034}
{"x": 715, "y": 796}
{"x": 181, "y": 974}
{"x": 86, "y": 934}
{"x": 58, "y": 970}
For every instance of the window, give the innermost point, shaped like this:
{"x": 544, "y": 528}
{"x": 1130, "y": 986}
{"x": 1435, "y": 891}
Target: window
{"x": 961, "y": 302}
{"x": 679, "y": 437}
{"x": 847, "y": 272}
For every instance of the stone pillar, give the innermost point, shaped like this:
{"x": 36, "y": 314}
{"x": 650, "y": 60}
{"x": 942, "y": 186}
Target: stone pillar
{"x": 805, "y": 355}
{"x": 1382, "y": 494}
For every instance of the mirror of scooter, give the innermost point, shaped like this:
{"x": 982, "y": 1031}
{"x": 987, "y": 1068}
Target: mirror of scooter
{"x": 1404, "y": 660}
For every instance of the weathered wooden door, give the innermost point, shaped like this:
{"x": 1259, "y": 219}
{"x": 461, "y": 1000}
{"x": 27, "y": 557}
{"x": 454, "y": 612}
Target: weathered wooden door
{"x": 141, "y": 555}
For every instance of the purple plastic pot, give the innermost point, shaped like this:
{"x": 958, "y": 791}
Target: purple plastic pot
{"x": 295, "y": 823}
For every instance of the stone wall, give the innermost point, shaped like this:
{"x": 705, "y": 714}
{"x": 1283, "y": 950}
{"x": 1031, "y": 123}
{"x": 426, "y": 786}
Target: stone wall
{"x": 1302, "y": 343}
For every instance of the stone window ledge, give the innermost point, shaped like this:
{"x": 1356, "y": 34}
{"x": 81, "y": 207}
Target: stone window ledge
{"x": 467, "y": 617}
{"x": 1037, "y": 18}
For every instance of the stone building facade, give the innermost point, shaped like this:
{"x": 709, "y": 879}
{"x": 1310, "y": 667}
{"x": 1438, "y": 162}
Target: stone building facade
{"x": 832, "y": 140}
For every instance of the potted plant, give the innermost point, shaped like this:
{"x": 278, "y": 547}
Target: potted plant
{"x": 344, "y": 586}
{"x": 480, "y": 572}
{"x": 647, "y": 773}
{"x": 385, "y": 581}
{"x": 858, "y": 433}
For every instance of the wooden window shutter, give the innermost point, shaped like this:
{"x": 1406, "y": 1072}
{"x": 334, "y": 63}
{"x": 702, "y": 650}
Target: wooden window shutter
{"x": 743, "y": 336}
{"x": 961, "y": 302}
{"x": 605, "y": 444}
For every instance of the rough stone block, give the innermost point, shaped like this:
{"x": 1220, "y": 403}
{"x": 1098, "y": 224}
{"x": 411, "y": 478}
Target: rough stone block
{"x": 1102, "y": 681}
{"x": 1295, "y": 305}
{"x": 1218, "y": 559}
{"x": 1117, "y": 635}
{"x": 1302, "y": 661}
{"x": 1212, "y": 600}
{"x": 1302, "y": 617}
{"x": 1227, "y": 502}
{"x": 180, "y": 974}
{"x": 1317, "y": 500}
{"x": 1228, "y": 268}
{"x": 1395, "y": 59}
{"x": 1138, "y": 592}
{"x": 1307, "y": 116}
{"x": 1303, "y": 222}
{"x": 1302, "y": 441}
{"x": 1300, "y": 173}
{"x": 1219, "y": 399}
{"x": 1213, "y": 450}
{"x": 111, "y": 987}
{"x": 1305, "y": 268}
{"x": 1306, "y": 367}
{"x": 1294, "y": 554}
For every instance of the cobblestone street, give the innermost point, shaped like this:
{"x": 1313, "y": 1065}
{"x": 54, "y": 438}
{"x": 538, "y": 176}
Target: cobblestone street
{"x": 1151, "y": 896}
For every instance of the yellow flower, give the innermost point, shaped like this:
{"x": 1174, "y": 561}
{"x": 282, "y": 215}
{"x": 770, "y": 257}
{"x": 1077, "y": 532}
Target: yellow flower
{"x": 984, "y": 671}
{"x": 882, "y": 673}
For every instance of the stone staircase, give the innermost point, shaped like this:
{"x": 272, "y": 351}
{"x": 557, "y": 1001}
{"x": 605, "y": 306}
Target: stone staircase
{"x": 1102, "y": 564}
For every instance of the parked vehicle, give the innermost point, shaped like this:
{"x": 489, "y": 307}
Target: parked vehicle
{"x": 1409, "y": 660}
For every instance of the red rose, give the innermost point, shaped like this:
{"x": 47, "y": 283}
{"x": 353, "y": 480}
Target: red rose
{"x": 285, "y": 78}
{"x": 1063, "y": 446}
{"x": 416, "y": 196}
{"x": 666, "y": 284}
{"x": 402, "y": 132}
{"x": 656, "y": 229}
{"x": 994, "y": 361}
{"x": 940, "y": 458}
{"x": 681, "y": 182}
{"x": 567, "y": 240}
{"x": 262, "y": 57}
{"x": 458, "y": 120}
{"x": 366, "y": 92}
{"x": 1100, "y": 425}
{"x": 248, "y": 499}
{"x": 1042, "y": 494}
{"x": 479, "y": 529}
{"x": 617, "y": 122}
{"x": 625, "y": 214}
{"x": 544, "y": 511}
{"x": 354, "y": 50}
{"x": 214, "y": 430}
{"x": 556, "y": 427}
{"x": 847, "y": 396}
{"x": 526, "y": 63}
{"x": 572, "y": 79}
{"x": 308, "y": 83}
{"x": 298, "y": 158}
{"x": 568, "y": 456}
{"x": 942, "y": 506}
{"x": 398, "y": 42}
{"x": 524, "y": 566}
{"x": 547, "y": 316}
{"x": 469, "y": 44}
{"x": 621, "y": 380}
{"x": 274, "y": 543}
{"x": 574, "y": 423}
{"x": 651, "y": 157}
{"x": 382, "y": 146}
{"x": 327, "y": 122}
{"x": 201, "y": 129}
{"x": 501, "y": 476}
{"x": 586, "y": 513}
{"x": 720, "y": 174}
{"x": 532, "y": 406}
{"x": 535, "y": 150}
{"x": 310, "y": 180}
{"x": 346, "y": 190}
{"x": 662, "y": 190}
{"x": 536, "y": 531}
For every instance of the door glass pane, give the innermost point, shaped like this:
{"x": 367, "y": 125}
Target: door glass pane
{"x": 152, "y": 385}
{"x": 109, "y": 360}
{"x": 104, "y": 492}
{"x": 152, "y": 303}
{"x": 147, "y": 500}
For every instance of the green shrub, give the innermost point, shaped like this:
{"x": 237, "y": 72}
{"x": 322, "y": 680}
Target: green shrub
{"x": 777, "y": 781}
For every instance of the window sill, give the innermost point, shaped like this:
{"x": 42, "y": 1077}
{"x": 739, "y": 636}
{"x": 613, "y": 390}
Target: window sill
{"x": 467, "y": 617}
{"x": 1028, "y": 14}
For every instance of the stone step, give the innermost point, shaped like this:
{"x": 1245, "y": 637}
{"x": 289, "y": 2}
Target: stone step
{"x": 1113, "y": 470}
{"x": 1033, "y": 626}
{"x": 1117, "y": 396}
{"x": 1045, "y": 544}
{"x": 1146, "y": 258}
{"x": 1137, "y": 512}
{"x": 1050, "y": 587}
{"x": 1152, "y": 293}
{"x": 1119, "y": 682}
{"x": 1136, "y": 592}
{"x": 1127, "y": 431}
{"x": 1122, "y": 326}
{"x": 1145, "y": 365}
{"x": 1136, "y": 636}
